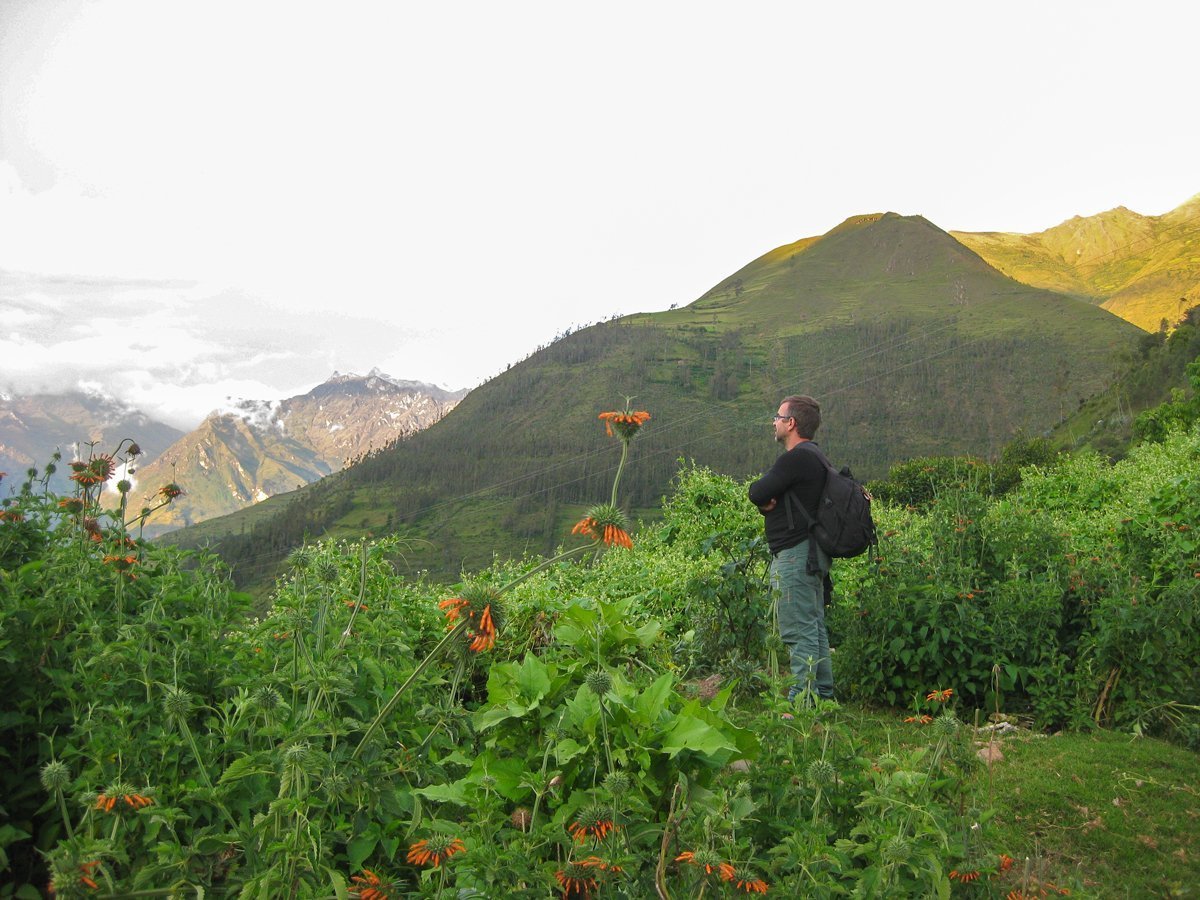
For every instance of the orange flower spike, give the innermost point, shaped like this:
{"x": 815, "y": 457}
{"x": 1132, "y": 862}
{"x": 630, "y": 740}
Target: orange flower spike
{"x": 87, "y": 882}
{"x": 757, "y": 886}
{"x": 726, "y": 871}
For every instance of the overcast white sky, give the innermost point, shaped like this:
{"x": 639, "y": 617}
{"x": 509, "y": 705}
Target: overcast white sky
{"x": 236, "y": 198}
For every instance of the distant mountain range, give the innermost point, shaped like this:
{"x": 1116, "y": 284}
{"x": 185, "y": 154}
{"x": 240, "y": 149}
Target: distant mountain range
{"x": 33, "y": 427}
{"x": 237, "y": 456}
{"x": 1145, "y": 269}
{"x": 916, "y": 342}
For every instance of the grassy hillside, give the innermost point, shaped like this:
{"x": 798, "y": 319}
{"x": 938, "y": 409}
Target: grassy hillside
{"x": 1145, "y": 269}
{"x": 1155, "y": 369}
{"x": 913, "y": 344}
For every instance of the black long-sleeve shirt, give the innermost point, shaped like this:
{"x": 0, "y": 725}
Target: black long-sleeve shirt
{"x": 803, "y": 472}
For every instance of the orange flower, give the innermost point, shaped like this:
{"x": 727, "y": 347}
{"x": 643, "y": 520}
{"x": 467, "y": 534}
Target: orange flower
{"x": 1003, "y": 864}
{"x": 709, "y": 861}
{"x": 107, "y": 801}
{"x": 86, "y": 879}
{"x": 123, "y": 564}
{"x": 576, "y": 881}
{"x": 607, "y": 523}
{"x": 485, "y": 637}
{"x": 755, "y": 886}
{"x": 433, "y": 850}
{"x": 592, "y": 820}
{"x": 940, "y": 696}
{"x": 170, "y": 491}
{"x": 369, "y": 886}
{"x": 626, "y": 423}
{"x": 595, "y": 862}
{"x": 964, "y": 877}
{"x": 96, "y": 471}
{"x": 72, "y": 505}
{"x": 919, "y": 720}
{"x": 354, "y": 605}
{"x": 479, "y": 605}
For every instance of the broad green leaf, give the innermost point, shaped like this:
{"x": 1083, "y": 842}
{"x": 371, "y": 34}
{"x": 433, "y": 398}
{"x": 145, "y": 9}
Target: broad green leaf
{"x": 533, "y": 678}
{"x": 583, "y": 710}
{"x": 567, "y": 749}
{"x": 489, "y": 716}
{"x": 360, "y": 848}
{"x": 448, "y": 793}
{"x": 690, "y": 733}
{"x": 653, "y": 699}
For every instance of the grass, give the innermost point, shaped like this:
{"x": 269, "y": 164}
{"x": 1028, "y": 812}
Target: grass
{"x": 1107, "y": 814}
{"x": 1117, "y": 813}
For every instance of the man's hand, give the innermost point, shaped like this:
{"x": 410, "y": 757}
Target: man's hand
{"x": 768, "y": 506}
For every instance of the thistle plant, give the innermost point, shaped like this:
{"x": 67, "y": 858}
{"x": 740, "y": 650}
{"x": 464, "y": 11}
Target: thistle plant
{"x": 55, "y": 777}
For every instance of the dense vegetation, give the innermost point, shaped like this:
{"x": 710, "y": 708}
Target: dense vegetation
{"x": 605, "y": 721}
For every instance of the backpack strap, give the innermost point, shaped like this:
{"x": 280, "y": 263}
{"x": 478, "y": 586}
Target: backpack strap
{"x": 812, "y": 567}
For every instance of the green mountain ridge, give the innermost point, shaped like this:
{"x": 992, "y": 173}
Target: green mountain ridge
{"x": 1145, "y": 269}
{"x": 912, "y": 342}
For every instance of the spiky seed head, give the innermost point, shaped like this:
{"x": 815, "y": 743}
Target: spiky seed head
{"x": 617, "y": 783}
{"x": 521, "y": 818}
{"x": 55, "y": 775}
{"x": 124, "y": 485}
{"x": 889, "y": 762}
{"x": 177, "y": 703}
{"x": 300, "y": 558}
{"x": 821, "y": 772}
{"x": 296, "y": 754}
{"x": 947, "y": 724}
{"x": 897, "y": 849}
{"x": 599, "y": 682}
{"x": 266, "y": 697}
{"x": 327, "y": 570}
{"x": 119, "y": 789}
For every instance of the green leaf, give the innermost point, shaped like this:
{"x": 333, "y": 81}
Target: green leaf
{"x": 448, "y": 793}
{"x": 338, "y": 882}
{"x": 567, "y": 749}
{"x": 690, "y": 733}
{"x": 583, "y": 709}
{"x": 360, "y": 848}
{"x": 533, "y": 679}
{"x": 651, "y": 702}
{"x": 245, "y": 766}
{"x": 489, "y": 716}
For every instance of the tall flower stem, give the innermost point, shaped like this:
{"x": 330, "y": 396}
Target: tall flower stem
{"x": 62, "y": 808}
{"x": 542, "y": 566}
{"x": 391, "y": 704}
{"x": 620, "y": 469}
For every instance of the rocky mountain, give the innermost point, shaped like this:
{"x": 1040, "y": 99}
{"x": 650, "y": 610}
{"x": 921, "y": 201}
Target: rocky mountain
{"x": 913, "y": 343}
{"x": 33, "y": 427}
{"x": 1145, "y": 269}
{"x": 253, "y": 450}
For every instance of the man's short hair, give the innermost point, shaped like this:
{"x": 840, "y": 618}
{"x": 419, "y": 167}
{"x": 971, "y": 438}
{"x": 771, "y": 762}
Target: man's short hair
{"x": 807, "y": 413}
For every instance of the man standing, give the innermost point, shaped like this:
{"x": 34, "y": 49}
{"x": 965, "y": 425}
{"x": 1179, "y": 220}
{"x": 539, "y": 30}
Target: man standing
{"x": 798, "y": 575}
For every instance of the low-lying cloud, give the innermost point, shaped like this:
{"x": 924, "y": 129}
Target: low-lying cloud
{"x": 175, "y": 350}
